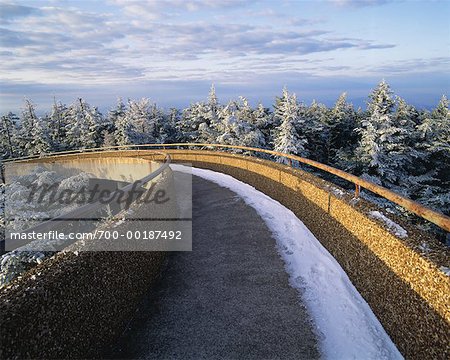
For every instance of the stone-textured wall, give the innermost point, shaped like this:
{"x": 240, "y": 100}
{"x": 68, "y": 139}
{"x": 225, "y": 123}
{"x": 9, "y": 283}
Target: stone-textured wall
{"x": 75, "y": 303}
{"x": 71, "y": 306}
{"x": 402, "y": 283}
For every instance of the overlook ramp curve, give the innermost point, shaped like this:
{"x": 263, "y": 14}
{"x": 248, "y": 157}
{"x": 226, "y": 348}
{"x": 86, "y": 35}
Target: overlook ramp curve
{"x": 228, "y": 298}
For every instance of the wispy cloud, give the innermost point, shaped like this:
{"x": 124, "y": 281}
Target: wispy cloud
{"x": 10, "y": 11}
{"x": 121, "y": 42}
{"x": 360, "y": 3}
{"x": 94, "y": 47}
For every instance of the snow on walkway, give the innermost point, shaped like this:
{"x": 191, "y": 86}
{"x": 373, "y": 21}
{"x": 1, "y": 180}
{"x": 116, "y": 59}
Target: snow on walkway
{"x": 346, "y": 326}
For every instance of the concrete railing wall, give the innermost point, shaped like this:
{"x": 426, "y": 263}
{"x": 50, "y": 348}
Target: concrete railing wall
{"x": 125, "y": 169}
{"x": 402, "y": 283}
{"x": 74, "y": 304}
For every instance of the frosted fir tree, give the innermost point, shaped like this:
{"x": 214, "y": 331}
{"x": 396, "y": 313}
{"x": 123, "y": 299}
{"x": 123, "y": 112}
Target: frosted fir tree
{"x": 231, "y": 130}
{"x": 8, "y": 134}
{"x": 340, "y": 125}
{"x": 40, "y": 139}
{"x": 109, "y": 139}
{"x": 382, "y": 151}
{"x": 228, "y": 125}
{"x": 125, "y": 133}
{"x": 313, "y": 125}
{"x": 434, "y": 146}
{"x": 239, "y": 123}
{"x": 139, "y": 115}
{"x": 27, "y": 120}
{"x": 97, "y": 125}
{"x": 212, "y": 109}
{"x": 117, "y": 112}
{"x": 82, "y": 125}
{"x": 245, "y": 111}
{"x": 173, "y": 119}
{"x": 261, "y": 117}
{"x": 57, "y": 125}
{"x": 287, "y": 140}
{"x": 161, "y": 129}
{"x": 263, "y": 121}
{"x": 109, "y": 126}
{"x": 434, "y": 129}
{"x": 191, "y": 119}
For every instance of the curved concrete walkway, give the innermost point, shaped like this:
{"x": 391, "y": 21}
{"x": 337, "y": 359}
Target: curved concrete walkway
{"x": 228, "y": 298}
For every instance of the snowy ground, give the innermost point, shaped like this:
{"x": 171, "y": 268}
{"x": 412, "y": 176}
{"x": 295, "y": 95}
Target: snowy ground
{"x": 345, "y": 324}
{"x": 393, "y": 226}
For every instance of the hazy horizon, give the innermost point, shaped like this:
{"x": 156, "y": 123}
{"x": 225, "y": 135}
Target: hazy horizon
{"x": 172, "y": 51}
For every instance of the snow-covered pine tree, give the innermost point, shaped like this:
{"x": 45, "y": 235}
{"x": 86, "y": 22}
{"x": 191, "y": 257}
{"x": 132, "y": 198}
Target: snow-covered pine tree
{"x": 8, "y": 133}
{"x": 382, "y": 151}
{"x": 213, "y": 108}
{"x": 340, "y": 125}
{"x": 57, "y": 125}
{"x": 263, "y": 121}
{"x": 160, "y": 125}
{"x": 117, "y": 112}
{"x": 253, "y": 136}
{"x": 27, "y": 120}
{"x": 138, "y": 115}
{"x": 173, "y": 119}
{"x": 228, "y": 125}
{"x": 312, "y": 123}
{"x": 109, "y": 124}
{"x": 434, "y": 145}
{"x": 287, "y": 140}
{"x": 40, "y": 138}
{"x": 82, "y": 126}
{"x": 97, "y": 125}
{"x": 125, "y": 133}
{"x": 195, "y": 125}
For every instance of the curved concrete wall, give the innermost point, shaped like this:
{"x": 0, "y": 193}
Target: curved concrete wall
{"x": 402, "y": 283}
{"x": 126, "y": 169}
{"x": 76, "y": 303}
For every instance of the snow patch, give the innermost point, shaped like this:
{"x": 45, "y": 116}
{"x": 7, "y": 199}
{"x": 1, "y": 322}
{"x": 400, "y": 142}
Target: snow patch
{"x": 393, "y": 226}
{"x": 346, "y": 325}
{"x": 445, "y": 270}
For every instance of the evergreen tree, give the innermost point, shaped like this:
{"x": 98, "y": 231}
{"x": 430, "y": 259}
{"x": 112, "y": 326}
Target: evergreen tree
{"x": 263, "y": 121}
{"x": 117, "y": 112}
{"x": 83, "y": 126}
{"x": 341, "y": 137}
{"x": 173, "y": 120}
{"x": 57, "y": 126}
{"x": 8, "y": 133}
{"x": 27, "y": 121}
{"x": 138, "y": 115}
{"x": 382, "y": 152}
{"x": 434, "y": 146}
{"x": 235, "y": 127}
{"x": 287, "y": 140}
{"x": 312, "y": 123}
{"x": 125, "y": 133}
{"x": 212, "y": 109}
{"x": 191, "y": 119}
{"x": 40, "y": 140}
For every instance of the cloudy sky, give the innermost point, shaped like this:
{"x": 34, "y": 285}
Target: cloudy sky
{"x": 171, "y": 51}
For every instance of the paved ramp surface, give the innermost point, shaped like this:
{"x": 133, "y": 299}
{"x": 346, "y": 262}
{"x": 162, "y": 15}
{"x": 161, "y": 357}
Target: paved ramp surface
{"x": 228, "y": 298}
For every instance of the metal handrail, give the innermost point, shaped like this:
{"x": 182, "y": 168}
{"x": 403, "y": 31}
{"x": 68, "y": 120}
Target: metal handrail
{"x": 435, "y": 217}
{"x": 93, "y": 207}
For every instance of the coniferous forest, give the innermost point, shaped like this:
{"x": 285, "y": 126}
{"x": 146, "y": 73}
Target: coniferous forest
{"x": 390, "y": 142}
